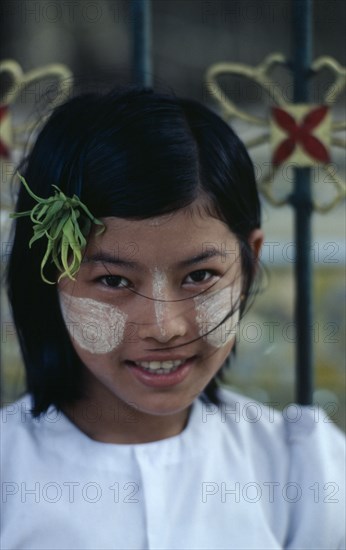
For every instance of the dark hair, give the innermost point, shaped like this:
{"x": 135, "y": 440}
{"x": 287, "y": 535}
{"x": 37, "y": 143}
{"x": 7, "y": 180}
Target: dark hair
{"x": 115, "y": 151}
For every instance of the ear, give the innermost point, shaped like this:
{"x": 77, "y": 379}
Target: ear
{"x": 255, "y": 240}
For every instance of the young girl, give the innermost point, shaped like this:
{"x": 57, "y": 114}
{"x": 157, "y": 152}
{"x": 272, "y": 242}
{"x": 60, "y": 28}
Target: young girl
{"x": 127, "y": 281}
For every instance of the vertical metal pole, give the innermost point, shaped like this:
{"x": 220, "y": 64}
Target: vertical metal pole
{"x": 141, "y": 40}
{"x": 302, "y": 203}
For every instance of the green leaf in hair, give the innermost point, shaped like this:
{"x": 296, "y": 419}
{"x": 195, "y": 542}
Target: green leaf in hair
{"x": 66, "y": 223}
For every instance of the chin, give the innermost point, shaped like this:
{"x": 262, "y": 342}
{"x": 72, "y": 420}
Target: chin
{"x": 161, "y": 405}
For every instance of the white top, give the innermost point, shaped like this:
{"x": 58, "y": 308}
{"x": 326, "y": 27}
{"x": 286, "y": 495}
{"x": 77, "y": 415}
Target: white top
{"x": 241, "y": 476}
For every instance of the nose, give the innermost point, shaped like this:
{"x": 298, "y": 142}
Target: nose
{"x": 164, "y": 321}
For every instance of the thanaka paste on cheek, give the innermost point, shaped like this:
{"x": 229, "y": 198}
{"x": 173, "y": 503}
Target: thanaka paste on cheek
{"x": 159, "y": 292}
{"x": 211, "y": 309}
{"x": 95, "y": 326}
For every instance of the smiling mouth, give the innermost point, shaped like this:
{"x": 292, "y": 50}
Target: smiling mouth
{"x": 159, "y": 367}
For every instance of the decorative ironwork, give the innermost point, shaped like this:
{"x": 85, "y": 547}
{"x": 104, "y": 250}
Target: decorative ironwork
{"x": 12, "y": 136}
{"x": 300, "y": 134}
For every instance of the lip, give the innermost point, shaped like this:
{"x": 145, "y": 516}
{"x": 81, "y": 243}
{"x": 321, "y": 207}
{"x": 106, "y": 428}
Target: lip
{"x": 162, "y": 380}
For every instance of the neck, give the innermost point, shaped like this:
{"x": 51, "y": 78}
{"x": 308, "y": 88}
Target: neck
{"x": 107, "y": 419}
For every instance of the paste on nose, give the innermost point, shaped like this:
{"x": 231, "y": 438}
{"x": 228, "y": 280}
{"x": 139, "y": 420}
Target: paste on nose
{"x": 211, "y": 309}
{"x": 160, "y": 283}
{"x": 95, "y": 326}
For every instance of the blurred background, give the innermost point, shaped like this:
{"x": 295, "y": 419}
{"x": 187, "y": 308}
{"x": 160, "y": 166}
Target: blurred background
{"x": 94, "y": 40}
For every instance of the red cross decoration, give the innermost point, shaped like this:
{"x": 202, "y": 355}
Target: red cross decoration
{"x": 300, "y": 134}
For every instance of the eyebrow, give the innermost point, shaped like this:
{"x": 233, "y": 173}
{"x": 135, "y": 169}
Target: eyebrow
{"x": 207, "y": 255}
{"x": 104, "y": 257}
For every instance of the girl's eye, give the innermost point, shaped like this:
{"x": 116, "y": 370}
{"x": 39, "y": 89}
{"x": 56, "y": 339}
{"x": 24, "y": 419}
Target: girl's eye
{"x": 200, "y": 276}
{"x": 114, "y": 281}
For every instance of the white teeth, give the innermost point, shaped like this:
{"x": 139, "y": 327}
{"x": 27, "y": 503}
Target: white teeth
{"x": 160, "y": 366}
{"x": 153, "y": 365}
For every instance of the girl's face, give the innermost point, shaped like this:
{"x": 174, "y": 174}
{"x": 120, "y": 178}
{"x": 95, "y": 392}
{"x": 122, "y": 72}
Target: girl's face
{"x": 144, "y": 304}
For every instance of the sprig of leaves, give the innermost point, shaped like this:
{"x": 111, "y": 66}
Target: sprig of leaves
{"x": 66, "y": 223}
